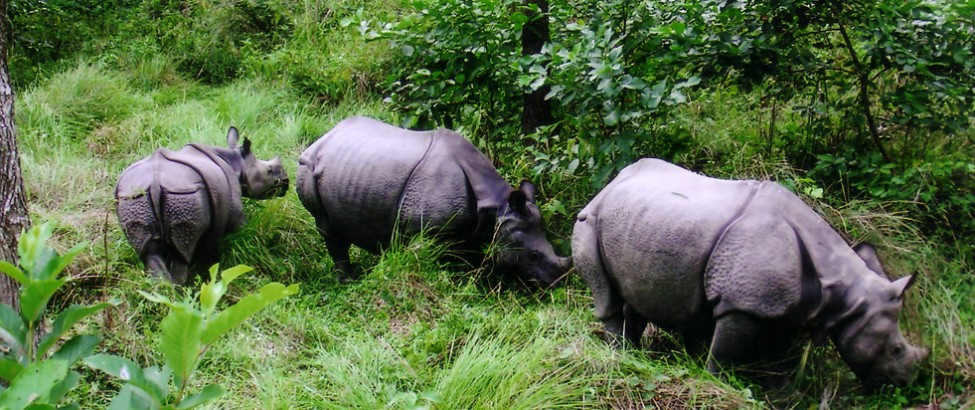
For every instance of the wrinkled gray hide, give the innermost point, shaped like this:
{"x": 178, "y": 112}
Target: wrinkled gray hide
{"x": 174, "y": 206}
{"x": 744, "y": 262}
{"x": 365, "y": 179}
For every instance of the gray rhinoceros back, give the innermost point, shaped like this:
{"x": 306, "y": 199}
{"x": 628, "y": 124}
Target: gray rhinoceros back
{"x": 368, "y": 178}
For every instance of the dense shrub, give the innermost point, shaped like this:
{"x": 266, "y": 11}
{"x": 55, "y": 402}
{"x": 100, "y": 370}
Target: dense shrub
{"x": 939, "y": 194}
{"x": 46, "y": 31}
{"x": 461, "y": 62}
{"x": 209, "y": 39}
{"x": 453, "y": 57}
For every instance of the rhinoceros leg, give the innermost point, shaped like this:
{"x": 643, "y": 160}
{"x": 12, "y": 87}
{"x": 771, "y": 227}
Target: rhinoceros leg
{"x": 760, "y": 350}
{"x": 733, "y": 343}
{"x": 588, "y": 262}
{"x": 179, "y": 271}
{"x": 338, "y": 249}
{"x": 155, "y": 263}
{"x": 633, "y": 325}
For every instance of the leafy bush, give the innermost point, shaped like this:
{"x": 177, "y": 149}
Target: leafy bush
{"x": 611, "y": 79}
{"x": 188, "y": 331}
{"x": 461, "y": 63}
{"x": 892, "y": 75}
{"x": 39, "y": 374}
{"x": 938, "y": 193}
{"x": 453, "y": 56}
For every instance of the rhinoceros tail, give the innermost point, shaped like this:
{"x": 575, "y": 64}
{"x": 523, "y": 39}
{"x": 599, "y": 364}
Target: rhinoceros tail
{"x": 139, "y": 205}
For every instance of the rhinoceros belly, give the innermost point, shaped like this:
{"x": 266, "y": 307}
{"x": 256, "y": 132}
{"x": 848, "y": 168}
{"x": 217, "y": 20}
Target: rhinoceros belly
{"x": 657, "y": 230}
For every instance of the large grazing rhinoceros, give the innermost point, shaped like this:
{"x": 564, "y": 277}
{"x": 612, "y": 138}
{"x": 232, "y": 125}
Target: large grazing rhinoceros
{"x": 365, "y": 180}
{"x": 174, "y": 206}
{"x": 745, "y": 262}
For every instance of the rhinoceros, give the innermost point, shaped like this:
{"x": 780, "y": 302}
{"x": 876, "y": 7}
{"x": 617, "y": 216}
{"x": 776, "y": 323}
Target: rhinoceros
{"x": 365, "y": 180}
{"x": 174, "y": 206}
{"x": 746, "y": 263}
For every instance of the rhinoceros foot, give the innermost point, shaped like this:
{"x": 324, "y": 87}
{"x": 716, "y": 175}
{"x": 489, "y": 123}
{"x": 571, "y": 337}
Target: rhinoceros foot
{"x": 345, "y": 272}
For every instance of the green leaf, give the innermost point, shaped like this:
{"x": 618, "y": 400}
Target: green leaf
{"x": 41, "y": 406}
{"x": 34, "y": 298}
{"x": 32, "y": 249}
{"x": 33, "y": 384}
{"x": 209, "y": 393}
{"x": 655, "y": 95}
{"x": 56, "y": 264}
{"x": 210, "y": 293}
{"x": 10, "y": 368}
{"x": 573, "y": 165}
{"x": 231, "y": 274}
{"x": 181, "y": 330}
{"x": 65, "y": 320}
{"x": 61, "y": 389}
{"x": 245, "y": 308}
{"x": 14, "y": 272}
{"x": 127, "y": 370}
{"x": 214, "y": 269}
{"x": 76, "y": 348}
{"x": 690, "y": 82}
{"x": 159, "y": 377}
{"x": 12, "y": 327}
{"x": 677, "y": 97}
{"x": 152, "y": 297}
{"x": 518, "y": 18}
{"x": 132, "y": 398}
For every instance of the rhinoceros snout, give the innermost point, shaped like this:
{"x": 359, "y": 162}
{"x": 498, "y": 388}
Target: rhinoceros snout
{"x": 904, "y": 373}
{"x": 923, "y": 356}
{"x": 565, "y": 264}
{"x": 283, "y": 185}
{"x": 555, "y": 276}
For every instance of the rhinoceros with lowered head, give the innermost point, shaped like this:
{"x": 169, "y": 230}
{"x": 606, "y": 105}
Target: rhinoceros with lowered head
{"x": 365, "y": 180}
{"x": 746, "y": 263}
{"x": 174, "y": 206}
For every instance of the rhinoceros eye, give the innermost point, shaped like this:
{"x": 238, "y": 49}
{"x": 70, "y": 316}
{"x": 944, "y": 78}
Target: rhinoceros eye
{"x": 897, "y": 350}
{"x": 535, "y": 255}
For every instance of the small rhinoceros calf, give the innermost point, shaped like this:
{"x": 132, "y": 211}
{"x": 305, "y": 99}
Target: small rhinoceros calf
{"x": 745, "y": 262}
{"x": 365, "y": 180}
{"x": 174, "y": 206}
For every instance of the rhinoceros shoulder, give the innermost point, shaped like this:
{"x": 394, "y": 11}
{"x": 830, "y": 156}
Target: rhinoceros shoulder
{"x": 490, "y": 190}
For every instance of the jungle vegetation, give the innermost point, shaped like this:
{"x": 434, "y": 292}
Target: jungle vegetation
{"x": 864, "y": 108}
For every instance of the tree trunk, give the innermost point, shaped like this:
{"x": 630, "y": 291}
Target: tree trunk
{"x": 13, "y": 206}
{"x": 534, "y": 34}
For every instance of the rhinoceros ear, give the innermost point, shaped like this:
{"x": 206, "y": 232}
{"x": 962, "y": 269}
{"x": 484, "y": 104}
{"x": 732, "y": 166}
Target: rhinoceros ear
{"x": 245, "y": 150}
{"x": 528, "y": 188}
{"x": 517, "y": 201}
{"x": 869, "y": 255}
{"x": 901, "y": 285}
{"x": 232, "y": 137}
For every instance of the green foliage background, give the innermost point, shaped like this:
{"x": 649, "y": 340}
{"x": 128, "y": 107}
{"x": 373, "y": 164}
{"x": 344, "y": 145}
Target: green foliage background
{"x": 765, "y": 89}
